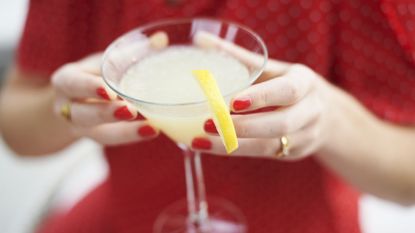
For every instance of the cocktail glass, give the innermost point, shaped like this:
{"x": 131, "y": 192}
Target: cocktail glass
{"x": 182, "y": 121}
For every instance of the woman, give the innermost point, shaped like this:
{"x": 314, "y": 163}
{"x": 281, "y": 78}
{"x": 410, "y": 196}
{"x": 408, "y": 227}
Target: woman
{"x": 349, "y": 108}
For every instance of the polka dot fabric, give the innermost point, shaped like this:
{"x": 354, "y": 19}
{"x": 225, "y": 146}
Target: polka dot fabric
{"x": 374, "y": 57}
{"x": 365, "y": 47}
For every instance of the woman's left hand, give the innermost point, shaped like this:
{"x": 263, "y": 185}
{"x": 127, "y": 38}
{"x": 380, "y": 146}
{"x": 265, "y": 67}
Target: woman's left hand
{"x": 316, "y": 117}
{"x": 302, "y": 114}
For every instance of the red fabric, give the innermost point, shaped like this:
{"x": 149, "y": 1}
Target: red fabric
{"x": 94, "y": 218}
{"x": 365, "y": 47}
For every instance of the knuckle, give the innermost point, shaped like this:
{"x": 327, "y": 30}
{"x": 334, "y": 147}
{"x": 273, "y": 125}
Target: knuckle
{"x": 91, "y": 83}
{"x": 83, "y": 116}
{"x": 102, "y": 114}
{"x": 269, "y": 147}
{"x": 61, "y": 78}
{"x": 317, "y": 111}
{"x": 318, "y": 105}
{"x": 58, "y": 75}
{"x": 260, "y": 98}
{"x": 293, "y": 93}
{"x": 298, "y": 67}
{"x": 272, "y": 131}
{"x": 67, "y": 69}
{"x": 125, "y": 135}
{"x": 55, "y": 79}
{"x": 68, "y": 82}
{"x": 311, "y": 136}
{"x": 303, "y": 72}
{"x": 284, "y": 126}
{"x": 243, "y": 130}
{"x": 303, "y": 151}
{"x": 314, "y": 133}
{"x": 263, "y": 97}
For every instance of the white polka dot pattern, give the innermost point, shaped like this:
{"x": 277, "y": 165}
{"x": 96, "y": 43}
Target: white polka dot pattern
{"x": 366, "y": 47}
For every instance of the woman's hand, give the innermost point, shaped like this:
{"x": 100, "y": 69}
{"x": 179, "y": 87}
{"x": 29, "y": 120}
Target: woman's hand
{"x": 95, "y": 111}
{"x": 299, "y": 99}
{"x": 39, "y": 116}
{"x": 299, "y": 102}
{"x": 374, "y": 155}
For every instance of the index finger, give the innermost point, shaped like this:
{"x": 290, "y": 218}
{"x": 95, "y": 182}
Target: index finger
{"x": 285, "y": 90}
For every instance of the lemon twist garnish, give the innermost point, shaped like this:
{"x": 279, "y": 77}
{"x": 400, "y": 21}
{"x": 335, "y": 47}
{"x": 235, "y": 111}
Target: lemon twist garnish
{"x": 220, "y": 111}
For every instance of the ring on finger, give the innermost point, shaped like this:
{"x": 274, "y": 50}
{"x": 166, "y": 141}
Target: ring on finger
{"x": 66, "y": 111}
{"x": 284, "y": 148}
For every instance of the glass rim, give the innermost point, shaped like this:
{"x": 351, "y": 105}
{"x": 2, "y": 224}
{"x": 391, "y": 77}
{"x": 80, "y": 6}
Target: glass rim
{"x": 253, "y": 77}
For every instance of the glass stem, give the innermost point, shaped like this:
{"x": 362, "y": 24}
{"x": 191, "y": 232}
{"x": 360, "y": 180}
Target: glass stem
{"x": 195, "y": 187}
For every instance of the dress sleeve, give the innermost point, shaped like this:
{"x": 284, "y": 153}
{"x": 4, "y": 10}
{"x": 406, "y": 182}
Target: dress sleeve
{"x": 401, "y": 18}
{"x": 55, "y": 32}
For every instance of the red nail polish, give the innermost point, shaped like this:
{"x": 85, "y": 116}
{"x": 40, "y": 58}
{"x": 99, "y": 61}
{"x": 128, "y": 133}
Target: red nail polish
{"x": 147, "y": 131}
{"x": 210, "y": 127}
{"x": 139, "y": 117}
{"x": 123, "y": 113}
{"x": 201, "y": 143}
{"x": 101, "y": 92}
{"x": 239, "y": 105}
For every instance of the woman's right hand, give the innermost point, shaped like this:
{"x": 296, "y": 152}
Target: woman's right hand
{"x": 95, "y": 111}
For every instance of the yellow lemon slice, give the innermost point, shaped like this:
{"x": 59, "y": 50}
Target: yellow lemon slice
{"x": 220, "y": 110}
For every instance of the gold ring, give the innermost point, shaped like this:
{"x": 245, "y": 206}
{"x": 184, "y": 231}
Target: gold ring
{"x": 66, "y": 111}
{"x": 285, "y": 150}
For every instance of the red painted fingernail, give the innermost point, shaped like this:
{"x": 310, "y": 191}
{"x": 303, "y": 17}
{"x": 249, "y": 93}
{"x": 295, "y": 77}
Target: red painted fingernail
{"x": 201, "y": 143}
{"x": 123, "y": 113}
{"x": 103, "y": 93}
{"x": 147, "y": 131}
{"x": 210, "y": 127}
{"x": 265, "y": 109}
{"x": 139, "y": 117}
{"x": 239, "y": 105}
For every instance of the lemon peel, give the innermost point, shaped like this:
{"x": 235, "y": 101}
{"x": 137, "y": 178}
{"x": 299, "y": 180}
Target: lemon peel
{"x": 220, "y": 111}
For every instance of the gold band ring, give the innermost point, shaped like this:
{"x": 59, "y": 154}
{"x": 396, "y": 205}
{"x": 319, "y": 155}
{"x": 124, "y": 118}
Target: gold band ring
{"x": 285, "y": 150}
{"x": 66, "y": 111}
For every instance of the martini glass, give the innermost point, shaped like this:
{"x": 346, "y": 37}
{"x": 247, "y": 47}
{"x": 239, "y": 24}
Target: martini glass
{"x": 182, "y": 119}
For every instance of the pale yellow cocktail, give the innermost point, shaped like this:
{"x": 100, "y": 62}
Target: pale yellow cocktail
{"x": 166, "y": 77}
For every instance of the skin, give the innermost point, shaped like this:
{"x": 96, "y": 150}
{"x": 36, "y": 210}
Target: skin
{"x": 34, "y": 126}
{"x": 322, "y": 120}
{"x": 378, "y": 158}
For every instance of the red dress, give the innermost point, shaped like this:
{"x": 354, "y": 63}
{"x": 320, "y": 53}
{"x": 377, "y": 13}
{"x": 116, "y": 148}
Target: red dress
{"x": 365, "y": 47}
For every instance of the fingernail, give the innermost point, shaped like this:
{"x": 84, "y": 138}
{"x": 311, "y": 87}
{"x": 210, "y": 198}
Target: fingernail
{"x": 241, "y": 104}
{"x": 139, "y": 117}
{"x": 101, "y": 92}
{"x": 123, "y": 113}
{"x": 201, "y": 143}
{"x": 210, "y": 127}
{"x": 146, "y": 131}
